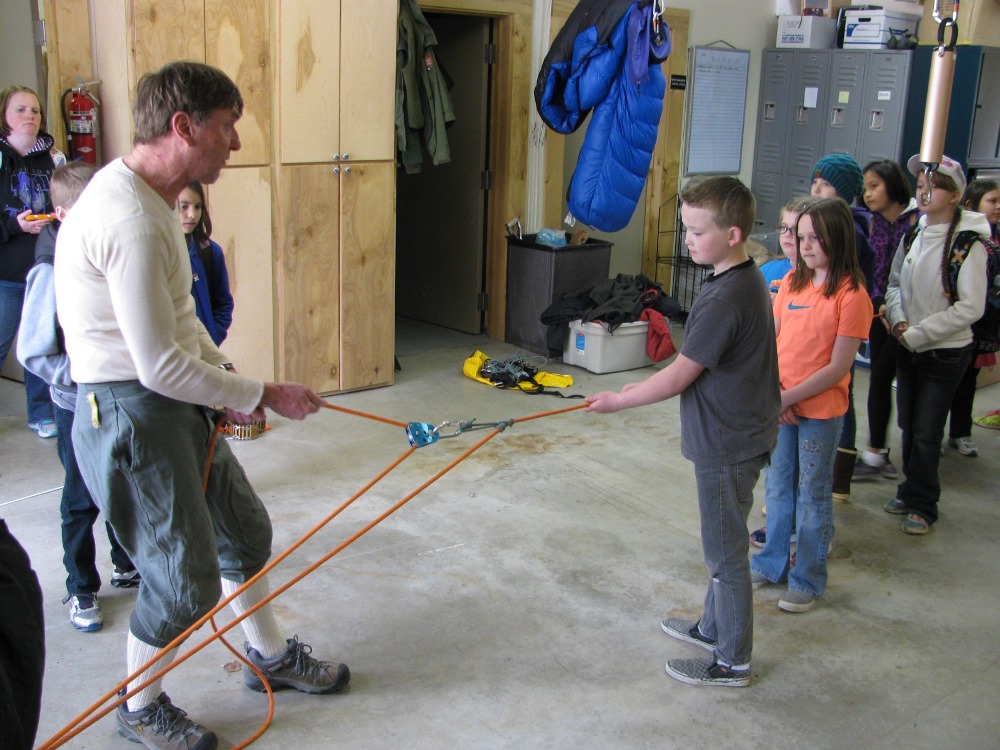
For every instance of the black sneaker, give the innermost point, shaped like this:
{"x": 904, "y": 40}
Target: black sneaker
{"x": 162, "y": 725}
{"x": 687, "y": 631}
{"x": 707, "y": 672}
{"x": 125, "y": 579}
{"x": 295, "y": 669}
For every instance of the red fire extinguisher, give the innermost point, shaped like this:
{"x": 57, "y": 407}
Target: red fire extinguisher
{"x": 82, "y": 123}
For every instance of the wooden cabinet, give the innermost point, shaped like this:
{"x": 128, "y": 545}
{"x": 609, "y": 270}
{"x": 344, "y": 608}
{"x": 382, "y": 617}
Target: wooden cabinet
{"x": 336, "y": 275}
{"x": 335, "y": 246}
{"x": 305, "y": 211}
{"x": 332, "y": 70}
{"x": 367, "y": 274}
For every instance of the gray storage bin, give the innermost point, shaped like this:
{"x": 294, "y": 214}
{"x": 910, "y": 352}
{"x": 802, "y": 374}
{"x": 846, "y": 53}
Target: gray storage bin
{"x": 538, "y": 275}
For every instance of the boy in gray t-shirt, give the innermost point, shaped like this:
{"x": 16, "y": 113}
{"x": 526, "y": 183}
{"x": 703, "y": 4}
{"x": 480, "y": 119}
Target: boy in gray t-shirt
{"x": 727, "y": 377}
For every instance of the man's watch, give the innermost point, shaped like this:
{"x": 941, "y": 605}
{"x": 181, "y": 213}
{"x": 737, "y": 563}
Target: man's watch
{"x": 227, "y": 366}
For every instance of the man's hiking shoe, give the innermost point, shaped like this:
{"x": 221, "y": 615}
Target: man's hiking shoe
{"x": 687, "y": 631}
{"x": 162, "y": 725}
{"x": 707, "y": 672}
{"x": 296, "y": 669}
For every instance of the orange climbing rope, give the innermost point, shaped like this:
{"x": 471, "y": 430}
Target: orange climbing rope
{"x": 95, "y": 712}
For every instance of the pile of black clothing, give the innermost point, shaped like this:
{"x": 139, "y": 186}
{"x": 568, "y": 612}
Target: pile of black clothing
{"x": 622, "y": 299}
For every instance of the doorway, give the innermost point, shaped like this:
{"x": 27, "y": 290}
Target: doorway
{"x": 441, "y": 210}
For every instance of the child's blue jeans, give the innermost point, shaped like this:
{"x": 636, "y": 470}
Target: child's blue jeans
{"x": 800, "y": 494}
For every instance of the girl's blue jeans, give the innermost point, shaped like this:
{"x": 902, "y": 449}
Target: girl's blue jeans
{"x": 799, "y": 493}
{"x": 39, "y": 404}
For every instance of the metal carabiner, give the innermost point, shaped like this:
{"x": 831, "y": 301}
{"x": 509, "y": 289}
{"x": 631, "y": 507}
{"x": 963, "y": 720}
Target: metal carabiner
{"x": 420, "y": 434}
{"x": 937, "y": 11}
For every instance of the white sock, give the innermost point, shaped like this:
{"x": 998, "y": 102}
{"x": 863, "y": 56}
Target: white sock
{"x": 261, "y": 628}
{"x": 871, "y": 458}
{"x": 139, "y": 652}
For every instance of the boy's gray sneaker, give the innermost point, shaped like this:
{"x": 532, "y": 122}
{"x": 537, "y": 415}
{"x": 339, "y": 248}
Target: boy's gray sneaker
{"x": 796, "y": 601}
{"x": 162, "y": 725}
{"x": 687, "y": 631}
{"x": 84, "y": 612}
{"x": 707, "y": 672}
{"x": 295, "y": 669}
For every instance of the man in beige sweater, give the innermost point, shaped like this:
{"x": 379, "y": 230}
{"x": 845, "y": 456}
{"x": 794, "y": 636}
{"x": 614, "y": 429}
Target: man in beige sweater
{"x": 145, "y": 368}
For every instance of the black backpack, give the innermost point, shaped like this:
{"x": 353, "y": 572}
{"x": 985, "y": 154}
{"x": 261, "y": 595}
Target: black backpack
{"x": 986, "y": 330}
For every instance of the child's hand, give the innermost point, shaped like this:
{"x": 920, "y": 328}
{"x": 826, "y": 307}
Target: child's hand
{"x": 32, "y": 227}
{"x": 604, "y": 402}
{"x": 787, "y": 416}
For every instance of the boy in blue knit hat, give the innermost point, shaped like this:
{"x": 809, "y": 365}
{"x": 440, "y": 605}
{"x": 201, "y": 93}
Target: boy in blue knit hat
{"x": 840, "y": 176}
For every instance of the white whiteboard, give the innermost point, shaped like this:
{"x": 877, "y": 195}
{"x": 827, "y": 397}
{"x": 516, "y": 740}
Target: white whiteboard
{"x": 716, "y": 109}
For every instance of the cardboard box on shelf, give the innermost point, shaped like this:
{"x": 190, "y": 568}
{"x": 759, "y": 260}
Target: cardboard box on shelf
{"x": 807, "y": 32}
{"x": 871, "y": 29}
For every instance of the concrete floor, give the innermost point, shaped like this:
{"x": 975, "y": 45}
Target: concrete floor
{"x": 516, "y": 602}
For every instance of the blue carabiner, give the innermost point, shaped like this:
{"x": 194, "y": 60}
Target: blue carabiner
{"x": 420, "y": 434}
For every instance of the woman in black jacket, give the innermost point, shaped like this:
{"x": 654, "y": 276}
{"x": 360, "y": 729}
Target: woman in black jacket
{"x": 27, "y": 158}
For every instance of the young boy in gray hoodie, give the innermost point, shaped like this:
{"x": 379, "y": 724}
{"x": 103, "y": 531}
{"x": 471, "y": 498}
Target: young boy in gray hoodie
{"x": 40, "y": 349}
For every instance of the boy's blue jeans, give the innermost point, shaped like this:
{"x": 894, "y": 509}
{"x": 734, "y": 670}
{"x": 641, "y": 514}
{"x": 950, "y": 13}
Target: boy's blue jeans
{"x": 725, "y": 496}
{"x": 799, "y": 493}
{"x": 79, "y": 513}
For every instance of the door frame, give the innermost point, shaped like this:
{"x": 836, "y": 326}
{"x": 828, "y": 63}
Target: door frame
{"x": 512, "y": 95}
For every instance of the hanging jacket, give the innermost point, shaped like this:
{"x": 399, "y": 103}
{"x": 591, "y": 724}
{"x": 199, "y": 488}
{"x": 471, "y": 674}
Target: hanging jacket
{"x": 605, "y": 73}
{"x": 24, "y": 185}
{"x": 423, "y": 104}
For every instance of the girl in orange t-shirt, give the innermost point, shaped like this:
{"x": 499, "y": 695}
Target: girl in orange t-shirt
{"x": 821, "y": 314}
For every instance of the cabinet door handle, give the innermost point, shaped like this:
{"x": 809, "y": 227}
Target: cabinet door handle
{"x": 346, "y": 156}
{"x": 336, "y": 170}
{"x": 336, "y": 157}
{"x": 347, "y": 170}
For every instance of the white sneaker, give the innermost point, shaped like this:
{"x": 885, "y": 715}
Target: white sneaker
{"x": 964, "y": 445}
{"x": 85, "y": 612}
{"x": 871, "y": 458}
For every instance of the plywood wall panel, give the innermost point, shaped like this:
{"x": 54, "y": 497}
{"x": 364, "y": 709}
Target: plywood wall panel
{"x": 309, "y": 80}
{"x": 308, "y": 277}
{"x": 367, "y": 81}
{"x": 111, "y": 44}
{"x": 167, "y": 30}
{"x": 367, "y": 280}
{"x": 237, "y": 41}
{"x": 240, "y": 205}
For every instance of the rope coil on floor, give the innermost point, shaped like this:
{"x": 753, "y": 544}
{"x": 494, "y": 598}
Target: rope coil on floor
{"x": 120, "y": 693}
